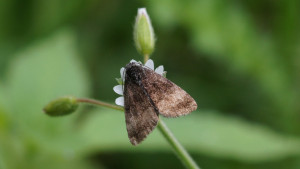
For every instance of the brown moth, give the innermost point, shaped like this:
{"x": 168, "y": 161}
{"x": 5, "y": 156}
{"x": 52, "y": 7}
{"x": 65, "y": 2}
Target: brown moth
{"x": 148, "y": 94}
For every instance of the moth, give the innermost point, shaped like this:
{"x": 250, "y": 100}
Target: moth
{"x": 147, "y": 95}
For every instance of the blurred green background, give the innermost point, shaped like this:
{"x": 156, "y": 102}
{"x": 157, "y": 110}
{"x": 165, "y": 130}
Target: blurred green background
{"x": 238, "y": 59}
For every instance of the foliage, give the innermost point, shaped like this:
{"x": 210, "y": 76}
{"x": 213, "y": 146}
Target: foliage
{"x": 238, "y": 59}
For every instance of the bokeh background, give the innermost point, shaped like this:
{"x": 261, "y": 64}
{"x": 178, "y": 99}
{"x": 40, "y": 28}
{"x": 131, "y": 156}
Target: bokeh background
{"x": 238, "y": 59}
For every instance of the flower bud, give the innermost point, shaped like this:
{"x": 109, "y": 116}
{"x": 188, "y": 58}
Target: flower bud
{"x": 61, "y": 106}
{"x": 143, "y": 33}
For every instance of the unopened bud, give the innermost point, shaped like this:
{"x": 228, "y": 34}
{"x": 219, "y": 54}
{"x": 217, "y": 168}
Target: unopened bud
{"x": 61, "y": 106}
{"x": 143, "y": 33}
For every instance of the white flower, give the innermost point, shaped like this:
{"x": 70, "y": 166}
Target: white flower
{"x": 119, "y": 89}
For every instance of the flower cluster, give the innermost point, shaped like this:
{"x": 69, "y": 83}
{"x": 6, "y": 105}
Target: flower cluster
{"x": 119, "y": 88}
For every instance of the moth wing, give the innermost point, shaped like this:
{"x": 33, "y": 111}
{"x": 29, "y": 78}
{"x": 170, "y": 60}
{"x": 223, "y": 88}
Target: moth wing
{"x": 169, "y": 99}
{"x": 140, "y": 115}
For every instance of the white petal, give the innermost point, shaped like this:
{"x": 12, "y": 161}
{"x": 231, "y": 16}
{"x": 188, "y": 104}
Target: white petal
{"x": 118, "y": 89}
{"x": 160, "y": 70}
{"x": 133, "y": 61}
{"x": 120, "y": 101}
{"x": 150, "y": 64}
{"x": 122, "y": 73}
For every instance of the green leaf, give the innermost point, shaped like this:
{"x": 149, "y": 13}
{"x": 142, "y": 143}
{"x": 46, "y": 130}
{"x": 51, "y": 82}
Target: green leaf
{"x": 44, "y": 71}
{"x": 40, "y": 73}
{"x": 201, "y": 132}
{"x": 227, "y": 34}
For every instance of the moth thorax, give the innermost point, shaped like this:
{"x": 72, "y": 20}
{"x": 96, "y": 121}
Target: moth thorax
{"x": 133, "y": 73}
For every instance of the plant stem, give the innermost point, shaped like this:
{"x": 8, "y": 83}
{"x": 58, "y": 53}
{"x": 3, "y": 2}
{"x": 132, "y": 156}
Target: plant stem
{"x": 146, "y": 57}
{"x": 100, "y": 103}
{"x": 182, "y": 154}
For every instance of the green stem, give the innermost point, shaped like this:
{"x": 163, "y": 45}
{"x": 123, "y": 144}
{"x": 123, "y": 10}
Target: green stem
{"x": 146, "y": 57}
{"x": 180, "y": 151}
{"x": 100, "y": 103}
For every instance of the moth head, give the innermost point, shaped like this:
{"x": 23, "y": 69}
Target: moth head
{"x": 133, "y": 64}
{"x": 133, "y": 71}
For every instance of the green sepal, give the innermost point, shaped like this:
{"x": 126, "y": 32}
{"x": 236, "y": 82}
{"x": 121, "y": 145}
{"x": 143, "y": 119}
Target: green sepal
{"x": 119, "y": 81}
